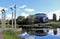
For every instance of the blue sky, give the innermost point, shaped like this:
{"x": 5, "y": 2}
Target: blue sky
{"x": 26, "y": 7}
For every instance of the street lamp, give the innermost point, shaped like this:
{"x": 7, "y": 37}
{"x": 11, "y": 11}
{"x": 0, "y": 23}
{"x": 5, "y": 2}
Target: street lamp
{"x": 3, "y": 19}
{"x": 12, "y": 16}
{"x": 15, "y": 15}
{"x": 14, "y": 9}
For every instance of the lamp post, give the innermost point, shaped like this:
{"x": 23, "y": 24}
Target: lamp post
{"x": 15, "y": 15}
{"x": 3, "y": 19}
{"x": 12, "y": 17}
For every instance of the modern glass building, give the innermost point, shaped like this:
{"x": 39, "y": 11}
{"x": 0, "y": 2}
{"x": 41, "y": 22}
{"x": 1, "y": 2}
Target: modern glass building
{"x": 42, "y": 17}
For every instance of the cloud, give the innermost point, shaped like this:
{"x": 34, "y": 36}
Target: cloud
{"x": 29, "y": 9}
{"x": 24, "y": 14}
{"x": 50, "y": 32}
{"x": 9, "y": 16}
{"x": 50, "y": 14}
{"x": 41, "y": 12}
{"x": 0, "y": 16}
{"x": 23, "y": 6}
{"x": 3, "y": 8}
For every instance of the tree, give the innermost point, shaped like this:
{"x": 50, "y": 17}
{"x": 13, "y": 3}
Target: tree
{"x": 31, "y": 19}
{"x": 20, "y": 20}
{"x": 36, "y": 20}
{"x": 59, "y": 18}
{"x": 54, "y": 17}
{"x": 10, "y": 22}
{"x": 7, "y": 21}
{"x": 0, "y": 21}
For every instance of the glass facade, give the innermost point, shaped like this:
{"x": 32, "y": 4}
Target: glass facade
{"x": 41, "y": 17}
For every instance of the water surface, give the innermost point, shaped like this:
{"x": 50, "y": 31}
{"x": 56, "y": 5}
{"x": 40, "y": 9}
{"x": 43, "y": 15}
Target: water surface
{"x": 50, "y": 35}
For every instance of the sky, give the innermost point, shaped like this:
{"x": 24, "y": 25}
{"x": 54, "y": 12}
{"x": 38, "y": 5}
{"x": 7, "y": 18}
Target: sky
{"x": 30, "y": 7}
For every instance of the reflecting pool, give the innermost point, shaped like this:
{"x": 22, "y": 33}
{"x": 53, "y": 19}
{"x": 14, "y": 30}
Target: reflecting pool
{"x": 52, "y": 34}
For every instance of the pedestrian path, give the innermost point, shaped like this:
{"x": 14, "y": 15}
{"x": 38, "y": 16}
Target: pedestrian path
{"x": 1, "y": 36}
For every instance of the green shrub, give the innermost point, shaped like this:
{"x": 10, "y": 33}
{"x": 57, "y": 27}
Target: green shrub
{"x": 10, "y": 34}
{"x": 9, "y": 26}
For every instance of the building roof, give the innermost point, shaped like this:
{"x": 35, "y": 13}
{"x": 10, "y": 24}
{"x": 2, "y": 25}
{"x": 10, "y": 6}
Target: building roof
{"x": 40, "y": 14}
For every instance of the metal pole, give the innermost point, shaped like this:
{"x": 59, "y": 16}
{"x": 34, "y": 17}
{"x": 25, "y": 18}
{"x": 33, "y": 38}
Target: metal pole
{"x": 12, "y": 17}
{"x": 3, "y": 19}
{"x": 15, "y": 16}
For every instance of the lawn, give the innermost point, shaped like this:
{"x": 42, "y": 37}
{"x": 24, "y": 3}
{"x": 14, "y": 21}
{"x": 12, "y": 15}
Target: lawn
{"x": 54, "y": 23}
{"x": 10, "y": 34}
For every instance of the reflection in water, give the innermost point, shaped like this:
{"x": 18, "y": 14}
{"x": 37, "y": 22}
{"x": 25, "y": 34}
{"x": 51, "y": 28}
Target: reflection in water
{"x": 55, "y": 31}
{"x": 52, "y": 34}
{"x": 39, "y": 32}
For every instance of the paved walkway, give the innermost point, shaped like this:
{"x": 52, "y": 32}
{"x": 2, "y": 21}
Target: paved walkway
{"x": 1, "y": 36}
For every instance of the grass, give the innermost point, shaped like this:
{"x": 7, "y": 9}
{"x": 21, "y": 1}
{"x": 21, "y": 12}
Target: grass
{"x": 8, "y": 26}
{"x": 0, "y": 25}
{"x": 10, "y": 34}
{"x": 54, "y": 23}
